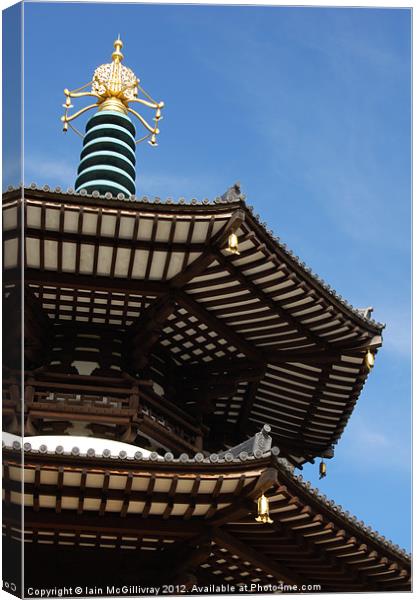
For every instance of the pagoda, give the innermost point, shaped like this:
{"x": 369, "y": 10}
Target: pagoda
{"x": 180, "y": 366}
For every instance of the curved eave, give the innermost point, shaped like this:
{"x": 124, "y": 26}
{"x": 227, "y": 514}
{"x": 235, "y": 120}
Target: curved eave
{"x": 264, "y": 308}
{"x": 315, "y": 280}
{"x": 342, "y": 518}
{"x": 310, "y": 539}
{"x": 169, "y": 205}
{"x": 200, "y": 465}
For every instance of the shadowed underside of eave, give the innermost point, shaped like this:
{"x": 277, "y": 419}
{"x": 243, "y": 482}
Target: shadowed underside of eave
{"x": 193, "y": 520}
{"x": 282, "y": 347}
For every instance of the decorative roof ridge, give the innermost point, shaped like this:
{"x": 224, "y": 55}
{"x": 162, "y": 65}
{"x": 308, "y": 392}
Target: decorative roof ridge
{"x": 231, "y": 196}
{"x": 222, "y": 458}
{"x": 154, "y": 457}
{"x": 121, "y": 197}
{"x": 340, "y": 512}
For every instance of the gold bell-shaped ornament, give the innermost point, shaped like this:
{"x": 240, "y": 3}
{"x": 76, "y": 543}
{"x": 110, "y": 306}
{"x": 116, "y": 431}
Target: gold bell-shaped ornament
{"x": 263, "y": 510}
{"x": 153, "y": 140}
{"x": 322, "y": 470}
{"x": 233, "y": 243}
{"x": 369, "y": 360}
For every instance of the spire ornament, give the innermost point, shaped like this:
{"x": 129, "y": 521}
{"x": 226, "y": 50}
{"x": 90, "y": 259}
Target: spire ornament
{"x": 115, "y": 86}
{"x": 107, "y": 161}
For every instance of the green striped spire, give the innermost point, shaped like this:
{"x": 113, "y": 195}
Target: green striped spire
{"x": 107, "y": 161}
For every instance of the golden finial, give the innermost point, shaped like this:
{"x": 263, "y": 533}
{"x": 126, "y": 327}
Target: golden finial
{"x": 115, "y": 86}
{"x": 117, "y": 54}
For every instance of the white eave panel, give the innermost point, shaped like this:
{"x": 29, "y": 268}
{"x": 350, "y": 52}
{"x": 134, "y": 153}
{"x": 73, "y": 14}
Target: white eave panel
{"x": 71, "y": 221}
{"x": 33, "y": 216}
{"x": 157, "y": 265}
{"x": 50, "y": 255}
{"x": 176, "y": 263}
{"x": 104, "y": 260}
{"x": 108, "y": 225}
{"x": 140, "y": 264}
{"x": 86, "y": 259}
{"x": 145, "y": 229}
{"x": 122, "y": 262}
{"x": 10, "y": 218}
{"x": 126, "y": 228}
{"x": 10, "y": 253}
{"x": 32, "y": 252}
{"x": 90, "y": 223}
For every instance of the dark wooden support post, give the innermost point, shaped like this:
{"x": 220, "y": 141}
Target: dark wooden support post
{"x": 249, "y": 398}
{"x": 29, "y": 396}
{"x": 180, "y": 561}
{"x": 145, "y": 332}
{"x": 37, "y": 330}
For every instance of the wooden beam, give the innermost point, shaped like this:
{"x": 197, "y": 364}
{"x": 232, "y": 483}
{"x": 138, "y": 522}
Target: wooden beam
{"x": 310, "y": 357}
{"x": 247, "y": 403}
{"x": 183, "y": 557}
{"x": 336, "y": 564}
{"x": 146, "y": 331}
{"x": 217, "y": 325}
{"x": 108, "y": 524}
{"x": 150, "y": 323}
{"x": 107, "y": 241}
{"x": 88, "y": 282}
{"x": 235, "y": 367}
{"x": 255, "y": 557}
{"x": 159, "y": 433}
{"x": 268, "y": 301}
{"x": 332, "y": 354}
{"x": 209, "y": 253}
{"x": 36, "y": 489}
{"x": 245, "y": 504}
{"x": 314, "y": 403}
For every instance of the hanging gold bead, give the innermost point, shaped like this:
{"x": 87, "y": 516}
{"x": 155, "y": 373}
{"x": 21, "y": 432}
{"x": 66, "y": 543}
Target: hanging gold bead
{"x": 369, "y": 360}
{"x": 233, "y": 244}
{"x": 263, "y": 510}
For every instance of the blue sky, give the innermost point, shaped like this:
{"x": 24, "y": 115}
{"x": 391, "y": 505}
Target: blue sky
{"x": 309, "y": 108}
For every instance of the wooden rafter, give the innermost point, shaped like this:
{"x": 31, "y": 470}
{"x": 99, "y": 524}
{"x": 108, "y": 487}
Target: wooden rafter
{"x": 199, "y": 311}
{"x": 240, "y": 508}
{"x": 255, "y": 557}
{"x": 274, "y": 305}
{"x": 315, "y": 553}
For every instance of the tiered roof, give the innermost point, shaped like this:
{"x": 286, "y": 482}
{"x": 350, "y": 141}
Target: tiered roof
{"x": 281, "y": 345}
{"x": 134, "y": 506}
{"x": 249, "y": 339}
